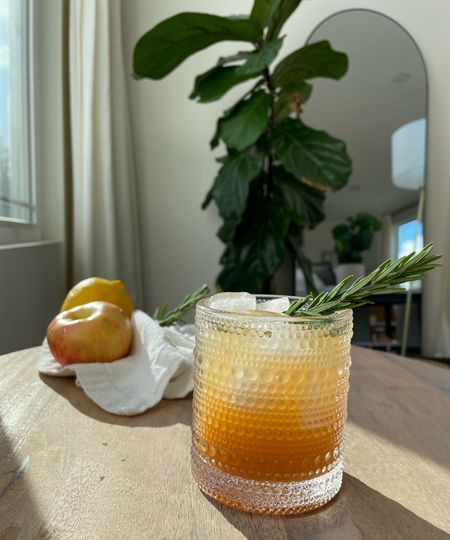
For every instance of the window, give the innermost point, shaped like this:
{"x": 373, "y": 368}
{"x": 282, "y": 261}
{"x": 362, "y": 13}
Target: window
{"x": 17, "y": 189}
{"x": 406, "y": 242}
{"x": 406, "y": 237}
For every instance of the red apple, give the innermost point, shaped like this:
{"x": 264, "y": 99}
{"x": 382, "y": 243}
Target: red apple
{"x": 94, "y": 332}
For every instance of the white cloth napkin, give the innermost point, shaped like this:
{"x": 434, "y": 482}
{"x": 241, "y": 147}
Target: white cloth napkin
{"x": 160, "y": 364}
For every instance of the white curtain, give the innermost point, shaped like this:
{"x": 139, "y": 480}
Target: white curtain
{"x": 105, "y": 222}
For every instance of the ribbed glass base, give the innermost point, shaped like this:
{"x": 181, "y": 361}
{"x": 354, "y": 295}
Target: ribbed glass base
{"x": 266, "y": 497}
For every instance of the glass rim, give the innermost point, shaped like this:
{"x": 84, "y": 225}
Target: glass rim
{"x": 337, "y": 316}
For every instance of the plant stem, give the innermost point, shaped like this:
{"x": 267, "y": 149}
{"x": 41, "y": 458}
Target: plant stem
{"x": 270, "y": 128}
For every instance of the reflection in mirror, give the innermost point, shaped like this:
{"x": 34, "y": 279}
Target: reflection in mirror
{"x": 379, "y": 109}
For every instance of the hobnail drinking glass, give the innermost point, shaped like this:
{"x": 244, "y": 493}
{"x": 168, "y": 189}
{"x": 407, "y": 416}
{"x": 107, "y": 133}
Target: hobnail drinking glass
{"x": 270, "y": 402}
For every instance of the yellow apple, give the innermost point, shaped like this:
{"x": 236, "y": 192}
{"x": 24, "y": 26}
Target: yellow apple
{"x": 94, "y": 332}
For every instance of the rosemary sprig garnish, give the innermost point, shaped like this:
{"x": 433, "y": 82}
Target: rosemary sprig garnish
{"x": 166, "y": 317}
{"x": 383, "y": 280}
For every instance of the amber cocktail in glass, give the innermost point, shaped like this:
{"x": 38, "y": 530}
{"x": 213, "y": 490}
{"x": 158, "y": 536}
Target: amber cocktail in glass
{"x": 270, "y": 402}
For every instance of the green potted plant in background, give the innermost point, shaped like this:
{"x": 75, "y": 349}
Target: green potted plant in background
{"x": 351, "y": 239}
{"x": 273, "y": 177}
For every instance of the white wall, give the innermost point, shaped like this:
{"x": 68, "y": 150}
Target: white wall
{"x": 175, "y": 167}
{"x": 319, "y": 240}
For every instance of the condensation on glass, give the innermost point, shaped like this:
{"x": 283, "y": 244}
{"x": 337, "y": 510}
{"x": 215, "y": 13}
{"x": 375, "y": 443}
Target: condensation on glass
{"x": 270, "y": 402}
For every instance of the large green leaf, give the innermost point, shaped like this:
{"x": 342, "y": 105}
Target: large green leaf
{"x": 312, "y": 155}
{"x": 214, "y": 142}
{"x": 273, "y": 14}
{"x": 304, "y": 203}
{"x": 260, "y": 11}
{"x": 215, "y": 83}
{"x": 257, "y": 249}
{"x": 302, "y": 88}
{"x": 169, "y": 43}
{"x": 279, "y": 12}
{"x": 230, "y": 190}
{"x": 254, "y": 61}
{"x": 314, "y": 60}
{"x": 257, "y": 61}
{"x": 247, "y": 122}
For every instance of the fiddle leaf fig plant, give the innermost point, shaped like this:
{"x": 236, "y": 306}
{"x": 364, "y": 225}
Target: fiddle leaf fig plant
{"x": 276, "y": 169}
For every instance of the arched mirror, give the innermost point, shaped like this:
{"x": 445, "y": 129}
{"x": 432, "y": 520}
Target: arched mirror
{"x": 379, "y": 108}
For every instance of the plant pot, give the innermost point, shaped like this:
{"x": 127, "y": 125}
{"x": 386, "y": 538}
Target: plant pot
{"x": 354, "y": 269}
{"x": 284, "y": 278}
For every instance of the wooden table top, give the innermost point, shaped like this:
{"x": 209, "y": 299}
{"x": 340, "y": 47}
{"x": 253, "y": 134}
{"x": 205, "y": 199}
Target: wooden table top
{"x": 70, "y": 470}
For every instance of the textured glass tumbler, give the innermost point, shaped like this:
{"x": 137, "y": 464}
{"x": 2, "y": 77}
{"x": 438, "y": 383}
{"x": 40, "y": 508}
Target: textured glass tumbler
{"x": 270, "y": 402}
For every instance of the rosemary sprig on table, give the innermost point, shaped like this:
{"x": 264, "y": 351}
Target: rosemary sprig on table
{"x": 382, "y": 280}
{"x": 166, "y": 317}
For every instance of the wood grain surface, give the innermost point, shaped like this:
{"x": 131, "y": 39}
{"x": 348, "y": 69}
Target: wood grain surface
{"x": 70, "y": 470}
